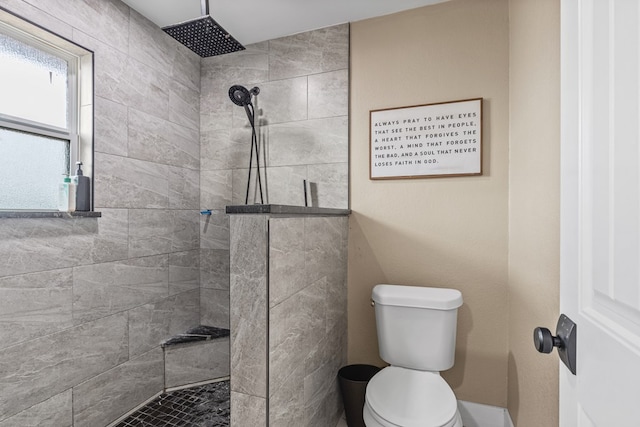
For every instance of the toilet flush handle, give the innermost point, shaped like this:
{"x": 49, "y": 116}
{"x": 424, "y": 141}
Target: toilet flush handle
{"x": 373, "y": 303}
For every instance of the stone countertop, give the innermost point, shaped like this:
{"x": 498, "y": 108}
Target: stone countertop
{"x": 286, "y": 210}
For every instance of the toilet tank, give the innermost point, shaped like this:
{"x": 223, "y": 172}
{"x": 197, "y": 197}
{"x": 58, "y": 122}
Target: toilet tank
{"x": 417, "y": 325}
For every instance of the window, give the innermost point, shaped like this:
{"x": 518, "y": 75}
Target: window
{"x": 46, "y": 114}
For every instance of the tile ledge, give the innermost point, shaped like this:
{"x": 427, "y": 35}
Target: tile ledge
{"x": 49, "y": 214}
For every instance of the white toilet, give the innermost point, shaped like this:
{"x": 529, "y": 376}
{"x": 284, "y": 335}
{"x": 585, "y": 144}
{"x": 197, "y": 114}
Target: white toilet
{"x": 417, "y": 337}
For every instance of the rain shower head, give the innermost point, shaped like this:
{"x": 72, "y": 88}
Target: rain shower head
{"x": 204, "y": 35}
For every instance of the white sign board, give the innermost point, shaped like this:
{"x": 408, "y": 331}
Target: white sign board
{"x": 431, "y": 140}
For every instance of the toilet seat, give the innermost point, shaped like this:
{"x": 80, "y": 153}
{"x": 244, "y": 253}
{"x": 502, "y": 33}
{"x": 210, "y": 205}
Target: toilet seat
{"x": 400, "y": 397}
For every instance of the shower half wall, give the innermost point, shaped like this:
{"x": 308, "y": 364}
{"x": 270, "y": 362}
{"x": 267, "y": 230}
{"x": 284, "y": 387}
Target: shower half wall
{"x": 288, "y": 315}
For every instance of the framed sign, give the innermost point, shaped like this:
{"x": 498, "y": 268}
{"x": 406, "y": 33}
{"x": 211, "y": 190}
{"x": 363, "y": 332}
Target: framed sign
{"x": 432, "y": 140}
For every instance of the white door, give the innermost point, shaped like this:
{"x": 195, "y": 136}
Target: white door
{"x": 600, "y": 221}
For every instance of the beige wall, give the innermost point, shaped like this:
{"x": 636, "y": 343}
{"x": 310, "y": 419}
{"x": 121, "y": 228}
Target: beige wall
{"x": 534, "y": 186}
{"x": 445, "y": 232}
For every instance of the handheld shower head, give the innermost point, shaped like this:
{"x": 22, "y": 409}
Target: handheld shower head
{"x": 240, "y": 95}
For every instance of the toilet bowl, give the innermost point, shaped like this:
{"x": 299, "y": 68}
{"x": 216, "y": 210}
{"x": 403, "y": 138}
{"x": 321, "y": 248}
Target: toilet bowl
{"x": 416, "y": 335}
{"x": 408, "y": 398}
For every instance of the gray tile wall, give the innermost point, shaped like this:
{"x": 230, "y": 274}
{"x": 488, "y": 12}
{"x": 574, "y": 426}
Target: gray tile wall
{"x": 288, "y": 317}
{"x": 302, "y": 116}
{"x": 84, "y": 303}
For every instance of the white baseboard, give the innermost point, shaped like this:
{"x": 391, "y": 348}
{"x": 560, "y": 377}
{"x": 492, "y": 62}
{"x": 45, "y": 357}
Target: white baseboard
{"x": 479, "y": 415}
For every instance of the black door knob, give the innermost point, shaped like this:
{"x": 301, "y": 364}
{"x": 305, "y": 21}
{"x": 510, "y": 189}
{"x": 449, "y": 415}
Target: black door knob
{"x": 566, "y": 332}
{"x": 544, "y": 341}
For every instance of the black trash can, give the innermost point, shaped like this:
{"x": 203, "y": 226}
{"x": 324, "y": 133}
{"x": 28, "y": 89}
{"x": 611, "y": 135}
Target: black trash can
{"x": 353, "y": 381}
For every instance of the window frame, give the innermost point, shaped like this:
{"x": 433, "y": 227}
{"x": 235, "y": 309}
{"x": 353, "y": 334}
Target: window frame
{"x": 80, "y": 94}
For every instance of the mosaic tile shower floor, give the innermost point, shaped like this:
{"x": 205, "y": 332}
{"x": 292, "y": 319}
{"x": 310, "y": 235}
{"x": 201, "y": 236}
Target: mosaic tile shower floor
{"x": 202, "y": 406}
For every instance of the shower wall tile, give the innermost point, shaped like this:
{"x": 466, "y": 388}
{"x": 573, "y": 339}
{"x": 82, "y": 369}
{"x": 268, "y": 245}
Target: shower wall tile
{"x": 129, "y": 183}
{"x": 125, "y": 80}
{"x": 184, "y": 108}
{"x": 39, "y": 17}
{"x": 215, "y": 188}
{"x": 329, "y": 94}
{"x": 286, "y": 258}
{"x": 106, "y": 20}
{"x": 247, "y": 410}
{"x": 239, "y": 179}
{"x": 192, "y": 363}
{"x": 215, "y": 112}
{"x": 53, "y": 412}
{"x": 184, "y": 271}
{"x": 319, "y": 390}
{"x": 184, "y": 188}
{"x": 149, "y": 44}
{"x": 184, "y": 230}
{"x": 154, "y": 231}
{"x": 186, "y": 67}
{"x": 150, "y": 324}
{"x": 285, "y": 185}
{"x": 214, "y": 230}
{"x": 248, "y": 302}
{"x": 150, "y": 232}
{"x": 249, "y": 65}
{"x": 214, "y": 308}
{"x": 103, "y": 289}
{"x": 63, "y": 360}
{"x": 104, "y": 398}
{"x": 59, "y": 244}
{"x": 324, "y": 246}
{"x": 109, "y": 66}
{"x": 110, "y": 127}
{"x": 214, "y": 269}
{"x": 280, "y": 101}
{"x": 290, "y": 324}
{"x": 329, "y": 183}
{"x": 312, "y": 52}
{"x": 160, "y": 141}
{"x": 33, "y": 305}
{"x": 309, "y": 142}
{"x": 225, "y": 149}
{"x": 286, "y": 403}
{"x": 144, "y": 88}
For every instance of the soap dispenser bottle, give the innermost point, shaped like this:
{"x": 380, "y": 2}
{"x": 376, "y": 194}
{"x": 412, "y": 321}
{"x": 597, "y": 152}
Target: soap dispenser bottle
{"x": 83, "y": 192}
{"x": 66, "y": 195}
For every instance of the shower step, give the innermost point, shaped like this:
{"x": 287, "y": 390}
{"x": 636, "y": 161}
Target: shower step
{"x": 198, "y": 355}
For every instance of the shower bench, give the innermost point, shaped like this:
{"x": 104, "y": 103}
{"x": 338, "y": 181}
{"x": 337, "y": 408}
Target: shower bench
{"x": 199, "y": 355}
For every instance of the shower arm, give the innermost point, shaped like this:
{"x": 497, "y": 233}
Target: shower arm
{"x": 204, "y": 7}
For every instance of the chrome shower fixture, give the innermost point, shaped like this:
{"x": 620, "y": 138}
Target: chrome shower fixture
{"x": 204, "y": 35}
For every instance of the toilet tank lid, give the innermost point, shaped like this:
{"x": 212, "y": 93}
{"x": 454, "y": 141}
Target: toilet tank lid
{"x": 417, "y": 296}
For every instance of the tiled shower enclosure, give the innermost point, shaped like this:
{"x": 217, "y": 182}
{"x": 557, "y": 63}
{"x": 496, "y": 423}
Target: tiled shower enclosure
{"x": 85, "y": 302}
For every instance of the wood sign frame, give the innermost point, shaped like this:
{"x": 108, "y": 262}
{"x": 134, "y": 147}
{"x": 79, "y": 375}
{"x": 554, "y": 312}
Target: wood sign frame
{"x": 425, "y": 141}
